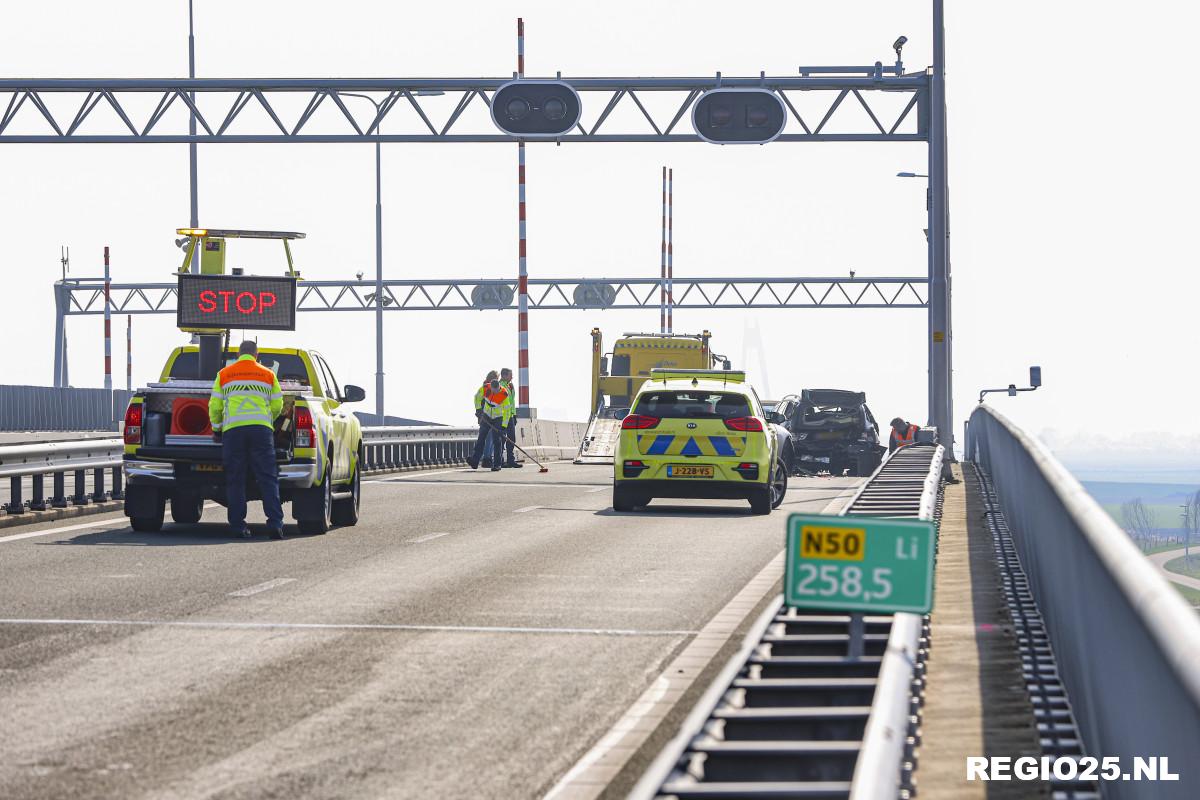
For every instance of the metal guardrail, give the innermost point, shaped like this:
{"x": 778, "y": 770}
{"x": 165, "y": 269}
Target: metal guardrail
{"x": 384, "y": 449}
{"x": 56, "y": 459}
{"x": 791, "y": 715}
{"x": 416, "y": 447}
{"x": 1126, "y": 644}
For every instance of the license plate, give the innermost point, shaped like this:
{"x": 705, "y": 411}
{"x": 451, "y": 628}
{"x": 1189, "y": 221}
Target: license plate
{"x": 689, "y": 471}
{"x": 207, "y": 468}
{"x": 827, "y": 435}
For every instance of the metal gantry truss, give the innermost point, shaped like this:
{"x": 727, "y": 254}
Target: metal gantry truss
{"x": 85, "y": 297}
{"x": 824, "y": 104}
{"x": 873, "y": 103}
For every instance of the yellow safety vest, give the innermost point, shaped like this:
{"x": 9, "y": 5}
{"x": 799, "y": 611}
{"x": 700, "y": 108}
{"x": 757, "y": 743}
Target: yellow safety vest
{"x": 244, "y": 393}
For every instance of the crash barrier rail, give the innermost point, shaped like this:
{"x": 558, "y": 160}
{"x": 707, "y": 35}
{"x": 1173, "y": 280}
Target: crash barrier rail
{"x": 395, "y": 448}
{"x": 792, "y": 714}
{"x": 57, "y": 459}
{"x": 47, "y": 408}
{"x": 384, "y": 449}
{"x": 1126, "y": 644}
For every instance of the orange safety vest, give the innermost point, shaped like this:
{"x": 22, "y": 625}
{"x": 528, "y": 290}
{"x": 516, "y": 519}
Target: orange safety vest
{"x": 908, "y": 437}
{"x": 493, "y": 400}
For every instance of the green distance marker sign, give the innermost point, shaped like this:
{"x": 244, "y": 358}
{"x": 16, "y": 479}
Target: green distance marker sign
{"x": 859, "y": 564}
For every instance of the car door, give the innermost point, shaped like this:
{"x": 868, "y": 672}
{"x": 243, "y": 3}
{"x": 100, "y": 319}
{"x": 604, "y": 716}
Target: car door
{"x": 337, "y": 416}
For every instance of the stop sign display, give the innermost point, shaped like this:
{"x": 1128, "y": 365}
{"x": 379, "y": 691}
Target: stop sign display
{"x": 237, "y": 301}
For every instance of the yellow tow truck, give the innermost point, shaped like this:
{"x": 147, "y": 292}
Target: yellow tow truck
{"x": 617, "y": 376}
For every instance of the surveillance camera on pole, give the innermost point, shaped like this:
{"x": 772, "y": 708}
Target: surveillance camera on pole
{"x": 536, "y": 109}
{"x": 739, "y": 116}
{"x": 1035, "y": 380}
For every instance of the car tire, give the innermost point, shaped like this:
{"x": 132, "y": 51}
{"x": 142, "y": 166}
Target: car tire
{"x": 345, "y": 511}
{"x": 865, "y": 465}
{"x": 186, "y": 509}
{"x": 322, "y": 520}
{"x": 789, "y": 459}
{"x": 624, "y": 499}
{"x": 778, "y": 484}
{"x": 152, "y": 523}
{"x": 760, "y": 501}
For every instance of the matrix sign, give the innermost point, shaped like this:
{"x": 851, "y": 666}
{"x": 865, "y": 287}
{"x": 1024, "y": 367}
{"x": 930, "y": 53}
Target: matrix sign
{"x": 237, "y": 301}
{"x": 859, "y": 564}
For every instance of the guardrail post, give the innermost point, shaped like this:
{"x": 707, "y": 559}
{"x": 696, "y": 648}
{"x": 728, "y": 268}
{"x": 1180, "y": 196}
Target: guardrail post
{"x": 80, "y": 498}
{"x": 98, "y": 493}
{"x": 59, "y": 498}
{"x": 15, "y": 504}
{"x": 38, "y": 501}
{"x": 118, "y": 492}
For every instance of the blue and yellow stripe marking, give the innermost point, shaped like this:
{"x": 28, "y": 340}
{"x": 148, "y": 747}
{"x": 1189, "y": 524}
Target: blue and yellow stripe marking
{"x": 668, "y": 444}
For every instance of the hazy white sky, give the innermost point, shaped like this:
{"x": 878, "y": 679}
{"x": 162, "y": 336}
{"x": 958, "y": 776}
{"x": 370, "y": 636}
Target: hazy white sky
{"x": 1072, "y": 173}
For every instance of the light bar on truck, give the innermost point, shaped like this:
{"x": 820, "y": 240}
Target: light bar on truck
{"x": 726, "y": 375}
{"x": 229, "y": 233}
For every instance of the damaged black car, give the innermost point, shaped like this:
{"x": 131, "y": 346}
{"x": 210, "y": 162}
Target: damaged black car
{"x": 832, "y": 430}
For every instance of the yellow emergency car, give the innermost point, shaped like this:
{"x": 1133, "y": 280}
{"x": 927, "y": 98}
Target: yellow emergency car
{"x": 699, "y": 434}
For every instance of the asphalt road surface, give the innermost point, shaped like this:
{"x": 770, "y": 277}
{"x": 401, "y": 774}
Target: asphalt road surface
{"x": 473, "y": 636}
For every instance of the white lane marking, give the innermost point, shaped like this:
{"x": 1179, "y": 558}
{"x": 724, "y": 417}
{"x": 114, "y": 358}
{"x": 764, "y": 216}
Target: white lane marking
{"x": 575, "y": 486}
{"x": 718, "y": 631}
{"x": 644, "y": 705}
{"x": 343, "y": 626}
{"x": 526, "y": 508}
{"x": 429, "y": 537}
{"x": 121, "y": 523}
{"x": 599, "y": 489}
{"x": 420, "y": 474}
{"x": 261, "y": 587}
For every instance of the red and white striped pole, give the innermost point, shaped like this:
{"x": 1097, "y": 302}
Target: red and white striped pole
{"x": 522, "y": 272}
{"x": 662, "y": 271}
{"x": 107, "y": 327}
{"x": 670, "y": 249}
{"x": 129, "y": 352}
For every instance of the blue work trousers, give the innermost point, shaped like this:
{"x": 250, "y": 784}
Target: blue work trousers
{"x": 251, "y": 446}
{"x": 490, "y": 433}
{"x": 512, "y": 437}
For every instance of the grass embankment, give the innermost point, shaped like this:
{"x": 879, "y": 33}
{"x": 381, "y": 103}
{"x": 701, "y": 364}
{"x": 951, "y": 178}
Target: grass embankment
{"x": 1162, "y": 515}
{"x": 1189, "y": 594}
{"x": 1184, "y": 565}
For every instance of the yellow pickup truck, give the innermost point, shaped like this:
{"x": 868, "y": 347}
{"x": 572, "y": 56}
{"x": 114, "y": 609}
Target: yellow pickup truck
{"x": 170, "y": 456}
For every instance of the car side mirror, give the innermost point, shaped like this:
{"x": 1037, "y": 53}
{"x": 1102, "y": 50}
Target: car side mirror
{"x": 353, "y": 394}
{"x": 775, "y": 418}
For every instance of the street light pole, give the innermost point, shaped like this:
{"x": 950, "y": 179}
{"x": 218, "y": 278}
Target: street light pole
{"x": 378, "y": 283}
{"x": 378, "y": 255}
{"x": 379, "y": 298}
{"x": 194, "y": 216}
